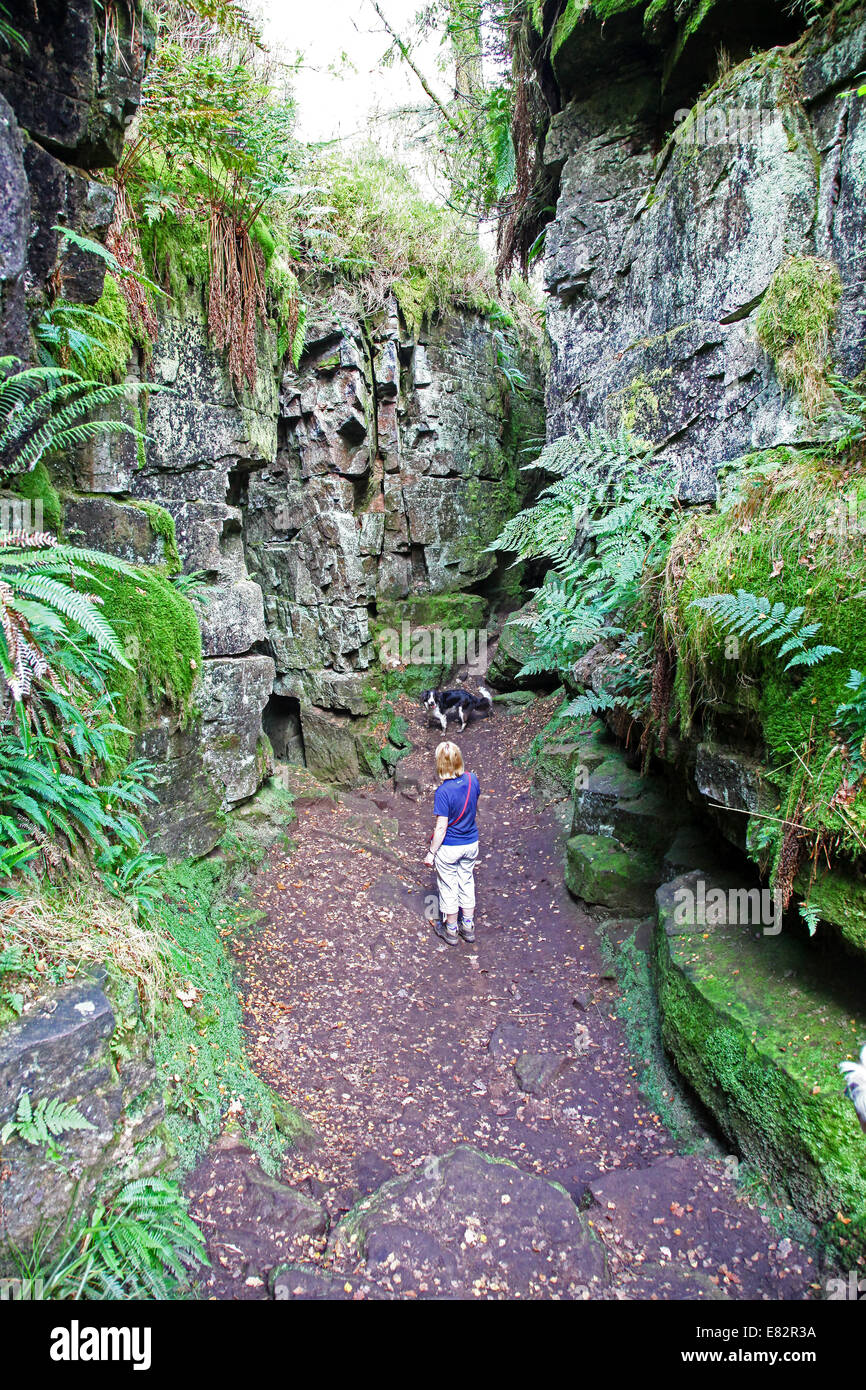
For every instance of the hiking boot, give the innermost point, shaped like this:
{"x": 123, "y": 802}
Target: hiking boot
{"x": 447, "y": 933}
{"x": 467, "y": 931}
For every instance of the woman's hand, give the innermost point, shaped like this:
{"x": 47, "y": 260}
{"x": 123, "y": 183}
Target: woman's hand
{"x": 429, "y": 860}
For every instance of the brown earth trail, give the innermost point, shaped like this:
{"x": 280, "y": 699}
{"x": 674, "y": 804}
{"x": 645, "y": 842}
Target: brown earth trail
{"x": 397, "y": 1048}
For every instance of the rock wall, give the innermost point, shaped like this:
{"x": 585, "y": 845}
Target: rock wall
{"x": 380, "y": 468}
{"x": 63, "y": 1051}
{"x": 658, "y": 259}
{"x": 659, "y": 256}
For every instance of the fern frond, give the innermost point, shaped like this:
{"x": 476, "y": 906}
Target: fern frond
{"x": 751, "y": 617}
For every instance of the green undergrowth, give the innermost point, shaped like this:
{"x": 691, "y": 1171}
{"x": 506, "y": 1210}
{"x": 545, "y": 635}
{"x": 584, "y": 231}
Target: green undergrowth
{"x": 794, "y": 322}
{"x": 175, "y": 251}
{"x": 159, "y": 630}
{"x": 787, "y": 538}
{"x": 113, "y": 339}
{"x": 199, "y": 1044}
{"x": 386, "y": 236}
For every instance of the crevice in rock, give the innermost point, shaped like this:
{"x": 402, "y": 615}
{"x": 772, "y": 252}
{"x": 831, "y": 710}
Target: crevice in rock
{"x": 281, "y": 721}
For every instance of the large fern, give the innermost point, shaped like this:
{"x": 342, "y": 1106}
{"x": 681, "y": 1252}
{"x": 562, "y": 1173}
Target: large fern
{"x": 599, "y": 523}
{"x": 38, "y": 1125}
{"x": 35, "y": 602}
{"x": 755, "y": 619}
{"x": 45, "y": 410}
{"x": 140, "y": 1244}
{"x": 851, "y": 720}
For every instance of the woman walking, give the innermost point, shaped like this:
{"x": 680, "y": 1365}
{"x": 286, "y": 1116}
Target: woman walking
{"x": 454, "y": 847}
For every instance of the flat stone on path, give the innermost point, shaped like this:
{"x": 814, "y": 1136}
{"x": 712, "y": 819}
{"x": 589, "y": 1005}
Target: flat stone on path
{"x": 536, "y": 1070}
{"x": 293, "y": 1281}
{"x": 506, "y": 1040}
{"x": 467, "y": 1224}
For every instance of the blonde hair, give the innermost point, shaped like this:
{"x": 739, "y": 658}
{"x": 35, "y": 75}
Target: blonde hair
{"x": 449, "y": 760}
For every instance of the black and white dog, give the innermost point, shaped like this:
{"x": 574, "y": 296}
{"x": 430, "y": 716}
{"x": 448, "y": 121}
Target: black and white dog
{"x": 442, "y": 704}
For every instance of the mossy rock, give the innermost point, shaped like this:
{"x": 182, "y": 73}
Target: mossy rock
{"x": 758, "y": 1026}
{"x": 556, "y": 765}
{"x": 516, "y": 647}
{"x": 647, "y": 821}
{"x": 611, "y": 783}
{"x": 294, "y": 1127}
{"x": 515, "y": 699}
{"x": 839, "y": 897}
{"x": 603, "y": 872}
{"x": 457, "y": 612}
{"x": 36, "y": 487}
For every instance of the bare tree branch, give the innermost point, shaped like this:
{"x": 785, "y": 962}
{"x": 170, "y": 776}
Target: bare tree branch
{"x": 410, "y": 62}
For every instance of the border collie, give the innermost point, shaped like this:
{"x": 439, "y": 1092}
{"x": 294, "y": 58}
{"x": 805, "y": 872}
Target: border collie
{"x": 441, "y": 704}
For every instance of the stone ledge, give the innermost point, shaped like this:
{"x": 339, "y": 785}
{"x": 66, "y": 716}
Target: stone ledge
{"x": 758, "y": 1026}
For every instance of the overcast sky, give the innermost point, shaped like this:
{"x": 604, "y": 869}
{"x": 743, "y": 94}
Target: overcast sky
{"x": 334, "y": 106}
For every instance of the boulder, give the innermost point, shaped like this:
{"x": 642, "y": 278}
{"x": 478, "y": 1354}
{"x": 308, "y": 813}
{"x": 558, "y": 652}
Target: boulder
{"x": 119, "y": 528}
{"x": 466, "y": 1224}
{"x": 340, "y": 749}
{"x": 61, "y": 1051}
{"x": 603, "y": 872}
{"x": 648, "y": 821}
{"x": 536, "y": 1071}
{"x": 232, "y": 619}
{"x": 234, "y": 692}
{"x": 609, "y": 786}
{"x": 516, "y": 646}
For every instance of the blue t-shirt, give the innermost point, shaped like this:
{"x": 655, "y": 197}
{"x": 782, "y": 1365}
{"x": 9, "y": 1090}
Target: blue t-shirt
{"x": 448, "y": 801}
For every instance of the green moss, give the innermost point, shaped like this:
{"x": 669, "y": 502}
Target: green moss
{"x": 457, "y": 612}
{"x": 159, "y": 630}
{"x": 840, "y": 899}
{"x": 162, "y": 524}
{"x": 788, "y": 540}
{"x": 37, "y": 486}
{"x": 108, "y": 359}
{"x": 175, "y": 251}
{"x": 759, "y": 1033}
{"x": 637, "y": 1007}
{"x": 416, "y": 296}
{"x": 794, "y": 323}
{"x": 600, "y": 870}
{"x": 638, "y": 404}
{"x": 199, "y": 1051}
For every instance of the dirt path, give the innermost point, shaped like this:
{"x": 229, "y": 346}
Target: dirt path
{"x": 398, "y": 1047}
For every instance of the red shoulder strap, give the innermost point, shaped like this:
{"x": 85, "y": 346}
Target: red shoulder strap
{"x": 466, "y": 802}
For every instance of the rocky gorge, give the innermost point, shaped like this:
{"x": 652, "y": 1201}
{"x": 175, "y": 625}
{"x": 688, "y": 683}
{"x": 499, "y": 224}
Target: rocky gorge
{"x": 358, "y": 491}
